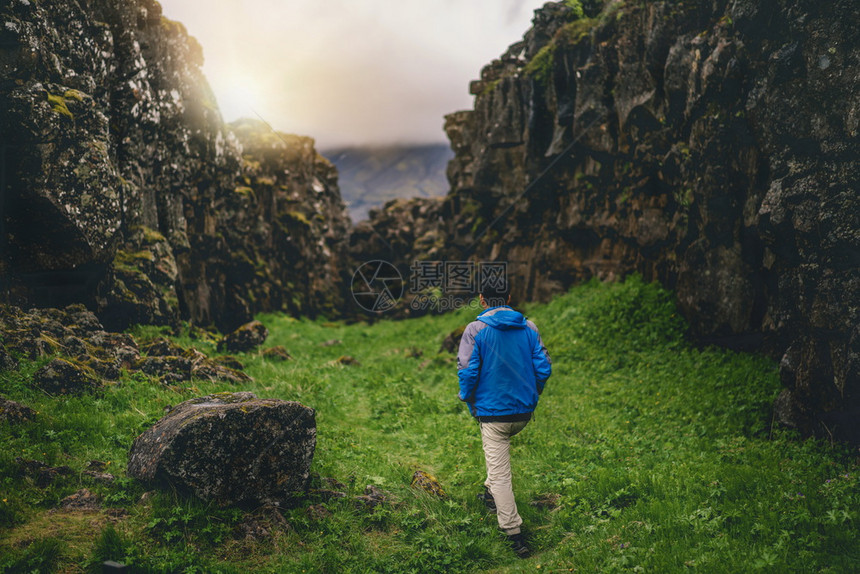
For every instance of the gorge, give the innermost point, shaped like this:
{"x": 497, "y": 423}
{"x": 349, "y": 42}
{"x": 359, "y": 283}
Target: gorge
{"x": 708, "y": 145}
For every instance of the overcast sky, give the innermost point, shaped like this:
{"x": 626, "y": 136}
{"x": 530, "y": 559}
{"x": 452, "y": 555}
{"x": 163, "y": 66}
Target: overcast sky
{"x": 350, "y": 72}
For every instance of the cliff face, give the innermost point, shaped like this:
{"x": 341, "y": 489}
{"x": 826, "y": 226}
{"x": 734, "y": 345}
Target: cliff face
{"x": 122, "y": 187}
{"x": 711, "y": 146}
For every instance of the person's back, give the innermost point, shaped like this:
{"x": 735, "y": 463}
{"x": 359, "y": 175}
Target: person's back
{"x": 502, "y": 367}
{"x": 503, "y": 351}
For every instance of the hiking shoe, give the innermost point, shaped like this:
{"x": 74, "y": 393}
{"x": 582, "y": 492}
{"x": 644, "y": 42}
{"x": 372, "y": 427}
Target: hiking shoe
{"x": 518, "y": 543}
{"x": 488, "y": 499}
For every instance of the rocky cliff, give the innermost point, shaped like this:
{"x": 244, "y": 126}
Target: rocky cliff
{"x": 121, "y": 187}
{"x": 708, "y": 145}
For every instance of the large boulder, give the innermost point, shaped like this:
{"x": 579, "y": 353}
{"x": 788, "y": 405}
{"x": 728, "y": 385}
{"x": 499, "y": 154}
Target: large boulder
{"x": 232, "y": 448}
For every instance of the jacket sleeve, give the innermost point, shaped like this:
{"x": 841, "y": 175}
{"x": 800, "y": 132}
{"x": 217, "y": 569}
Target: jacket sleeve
{"x": 540, "y": 361}
{"x": 468, "y": 364}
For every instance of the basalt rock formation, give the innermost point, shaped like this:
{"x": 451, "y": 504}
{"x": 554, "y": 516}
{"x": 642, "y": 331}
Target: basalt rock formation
{"x": 708, "y": 145}
{"x": 86, "y": 356}
{"x": 232, "y": 448}
{"x": 122, "y": 188}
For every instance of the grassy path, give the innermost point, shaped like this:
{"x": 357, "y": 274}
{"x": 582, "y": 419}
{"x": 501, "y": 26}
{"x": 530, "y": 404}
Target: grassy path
{"x": 650, "y": 455}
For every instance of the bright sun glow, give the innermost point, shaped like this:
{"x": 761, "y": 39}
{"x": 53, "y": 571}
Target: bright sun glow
{"x": 240, "y": 97}
{"x": 346, "y": 72}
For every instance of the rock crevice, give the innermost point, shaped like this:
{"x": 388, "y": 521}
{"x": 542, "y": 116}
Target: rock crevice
{"x": 711, "y": 146}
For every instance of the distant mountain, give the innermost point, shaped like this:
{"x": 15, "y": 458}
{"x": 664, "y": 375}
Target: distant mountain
{"x": 371, "y": 176}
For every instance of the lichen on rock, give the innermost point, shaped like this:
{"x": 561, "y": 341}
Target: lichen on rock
{"x": 231, "y": 448}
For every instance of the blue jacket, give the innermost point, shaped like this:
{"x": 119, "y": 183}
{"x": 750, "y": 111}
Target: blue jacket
{"x": 502, "y": 364}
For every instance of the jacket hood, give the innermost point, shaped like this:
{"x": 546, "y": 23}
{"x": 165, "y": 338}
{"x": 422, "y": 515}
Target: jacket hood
{"x": 503, "y": 318}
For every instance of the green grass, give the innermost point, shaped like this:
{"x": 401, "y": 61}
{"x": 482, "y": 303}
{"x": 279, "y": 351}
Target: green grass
{"x": 663, "y": 458}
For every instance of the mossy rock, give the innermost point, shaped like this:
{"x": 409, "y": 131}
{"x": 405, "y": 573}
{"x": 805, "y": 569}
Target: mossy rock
{"x": 277, "y": 354}
{"x": 7, "y": 361}
{"x": 204, "y": 368}
{"x": 15, "y": 413}
{"x": 428, "y": 483}
{"x": 148, "y": 235}
{"x": 348, "y": 361}
{"x": 229, "y": 361}
{"x": 66, "y": 377}
{"x": 131, "y": 260}
{"x": 168, "y": 370}
{"x": 229, "y": 448}
{"x": 246, "y": 338}
{"x": 162, "y": 347}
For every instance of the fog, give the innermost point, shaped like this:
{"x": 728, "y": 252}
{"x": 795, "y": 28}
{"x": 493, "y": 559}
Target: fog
{"x": 350, "y": 72}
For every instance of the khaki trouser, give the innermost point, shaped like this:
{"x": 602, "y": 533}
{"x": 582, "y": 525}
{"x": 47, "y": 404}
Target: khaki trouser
{"x": 496, "y": 438}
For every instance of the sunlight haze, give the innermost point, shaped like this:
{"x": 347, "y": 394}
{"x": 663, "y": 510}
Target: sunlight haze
{"x": 350, "y": 73}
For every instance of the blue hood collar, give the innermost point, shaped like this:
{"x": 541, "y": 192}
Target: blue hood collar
{"x": 503, "y": 318}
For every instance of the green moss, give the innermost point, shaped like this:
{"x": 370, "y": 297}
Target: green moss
{"x": 74, "y": 95}
{"x": 489, "y": 87}
{"x": 169, "y": 297}
{"x": 469, "y": 208}
{"x": 477, "y": 225}
{"x": 133, "y": 257}
{"x": 574, "y": 32}
{"x": 250, "y": 164}
{"x": 261, "y": 268}
{"x": 239, "y": 256}
{"x": 228, "y": 398}
{"x": 299, "y": 217}
{"x": 58, "y": 105}
{"x": 245, "y": 191}
{"x": 540, "y": 67}
{"x": 612, "y": 9}
{"x": 151, "y": 236}
{"x": 684, "y": 197}
{"x": 129, "y": 261}
{"x": 576, "y": 6}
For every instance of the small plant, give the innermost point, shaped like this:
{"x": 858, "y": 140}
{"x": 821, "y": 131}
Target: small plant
{"x": 40, "y": 557}
{"x": 176, "y": 518}
{"x": 110, "y": 545}
{"x": 58, "y": 105}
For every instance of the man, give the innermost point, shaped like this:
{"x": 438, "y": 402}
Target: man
{"x": 503, "y": 366}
